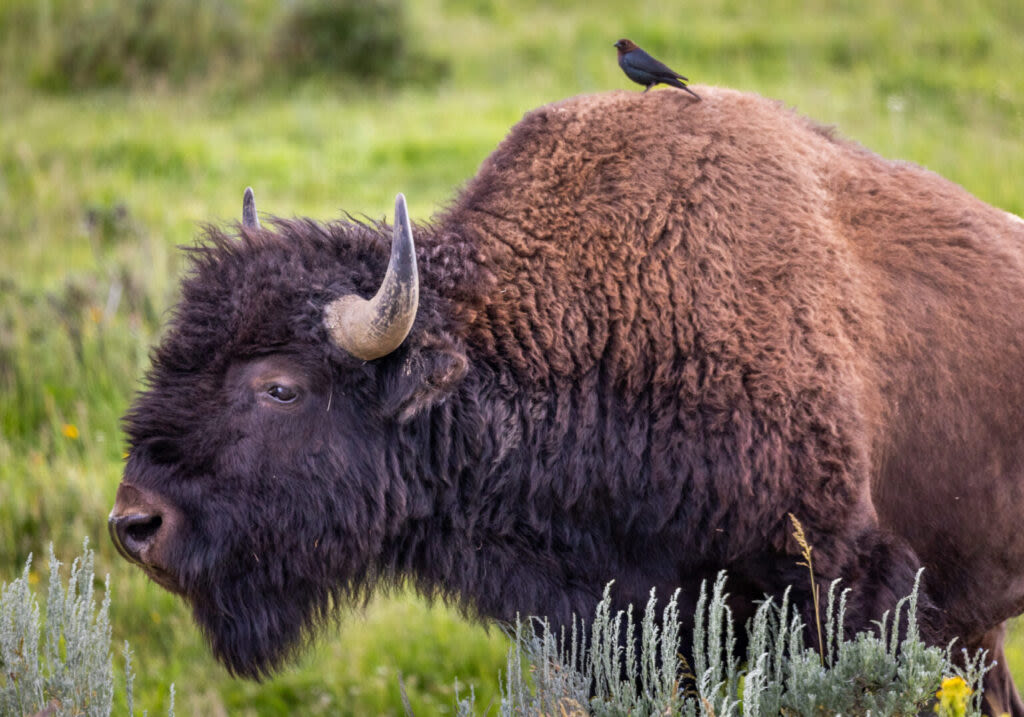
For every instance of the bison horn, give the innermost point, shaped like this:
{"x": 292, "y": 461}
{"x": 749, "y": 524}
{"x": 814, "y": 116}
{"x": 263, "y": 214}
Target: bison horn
{"x": 249, "y": 220}
{"x": 369, "y": 329}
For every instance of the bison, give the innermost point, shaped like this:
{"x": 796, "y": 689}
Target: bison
{"x": 641, "y": 336}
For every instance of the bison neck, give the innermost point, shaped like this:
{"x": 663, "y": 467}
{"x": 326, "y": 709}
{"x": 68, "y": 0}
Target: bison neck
{"x": 540, "y": 494}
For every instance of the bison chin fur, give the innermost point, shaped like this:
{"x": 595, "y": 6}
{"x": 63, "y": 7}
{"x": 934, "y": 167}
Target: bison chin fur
{"x": 259, "y": 609}
{"x": 255, "y": 624}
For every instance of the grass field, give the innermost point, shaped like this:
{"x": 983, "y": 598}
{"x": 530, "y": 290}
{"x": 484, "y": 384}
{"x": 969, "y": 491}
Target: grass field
{"x": 99, "y": 185}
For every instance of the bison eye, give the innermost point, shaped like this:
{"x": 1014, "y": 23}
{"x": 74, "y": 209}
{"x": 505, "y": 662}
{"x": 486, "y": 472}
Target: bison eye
{"x": 282, "y": 394}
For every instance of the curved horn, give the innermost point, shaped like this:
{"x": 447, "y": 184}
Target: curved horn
{"x": 369, "y": 329}
{"x": 249, "y": 220}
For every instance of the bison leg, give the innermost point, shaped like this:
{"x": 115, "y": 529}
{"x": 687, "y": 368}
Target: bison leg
{"x": 883, "y": 573}
{"x": 1000, "y": 694}
{"x": 879, "y": 569}
{"x": 887, "y": 567}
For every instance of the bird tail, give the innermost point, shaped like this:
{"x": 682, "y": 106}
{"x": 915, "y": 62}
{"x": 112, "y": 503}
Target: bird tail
{"x": 681, "y": 85}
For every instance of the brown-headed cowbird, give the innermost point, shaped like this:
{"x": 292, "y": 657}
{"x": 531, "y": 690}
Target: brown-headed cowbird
{"x": 645, "y": 70}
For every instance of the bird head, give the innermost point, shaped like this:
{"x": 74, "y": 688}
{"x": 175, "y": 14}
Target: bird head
{"x": 624, "y": 46}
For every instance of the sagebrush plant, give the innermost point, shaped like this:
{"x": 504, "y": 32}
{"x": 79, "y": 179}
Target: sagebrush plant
{"x": 58, "y": 662}
{"x": 594, "y": 671}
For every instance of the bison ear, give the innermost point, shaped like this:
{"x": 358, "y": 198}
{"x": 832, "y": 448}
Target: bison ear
{"x": 429, "y": 373}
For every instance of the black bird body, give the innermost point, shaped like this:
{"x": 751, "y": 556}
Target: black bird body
{"x": 645, "y": 70}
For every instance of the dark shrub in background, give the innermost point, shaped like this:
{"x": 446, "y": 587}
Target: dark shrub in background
{"x": 116, "y": 43}
{"x": 367, "y": 40}
{"x": 349, "y": 36}
{"x": 74, "y": 45}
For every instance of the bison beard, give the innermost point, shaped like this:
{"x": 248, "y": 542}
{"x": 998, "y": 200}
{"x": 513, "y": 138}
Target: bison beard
{"x": 258, "y": 611}
{"x": 249, "y": 636}
{"x": 645, "y": 333}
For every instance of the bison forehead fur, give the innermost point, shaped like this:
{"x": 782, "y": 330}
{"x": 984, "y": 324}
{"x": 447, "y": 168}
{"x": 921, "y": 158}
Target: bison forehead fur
{"x": 647, "y": 331}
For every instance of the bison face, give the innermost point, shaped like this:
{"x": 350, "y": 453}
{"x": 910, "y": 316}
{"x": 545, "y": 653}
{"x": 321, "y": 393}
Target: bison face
{"x": 258, "y": 507}
{"x": 261, "y": 483}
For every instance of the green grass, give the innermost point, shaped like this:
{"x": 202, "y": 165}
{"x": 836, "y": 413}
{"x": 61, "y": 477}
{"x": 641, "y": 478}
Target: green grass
{"x": 98, "y": 188}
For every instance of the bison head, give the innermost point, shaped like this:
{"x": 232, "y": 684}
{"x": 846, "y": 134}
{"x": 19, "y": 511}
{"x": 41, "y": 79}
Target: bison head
{"x": 258, "y": 484}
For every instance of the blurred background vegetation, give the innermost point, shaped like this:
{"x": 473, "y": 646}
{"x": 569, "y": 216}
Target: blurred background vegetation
{"x": 125, "y": 124}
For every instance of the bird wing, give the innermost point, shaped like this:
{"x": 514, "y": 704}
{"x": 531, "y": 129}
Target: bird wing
{"x": 640, "y": 60}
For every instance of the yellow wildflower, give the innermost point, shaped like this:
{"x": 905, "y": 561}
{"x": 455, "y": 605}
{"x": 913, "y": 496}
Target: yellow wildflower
{"x": 953, "y": 697}
{"x": 70, "y": 430}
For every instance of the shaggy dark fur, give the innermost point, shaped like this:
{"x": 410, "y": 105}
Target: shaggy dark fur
{"x": 649, "y": 329}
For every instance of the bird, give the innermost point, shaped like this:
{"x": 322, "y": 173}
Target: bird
{"x": 645, "y": 70}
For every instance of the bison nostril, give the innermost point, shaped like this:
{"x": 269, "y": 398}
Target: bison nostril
{"x": 134, "y": 533}
{"x": 142, "y": 531}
